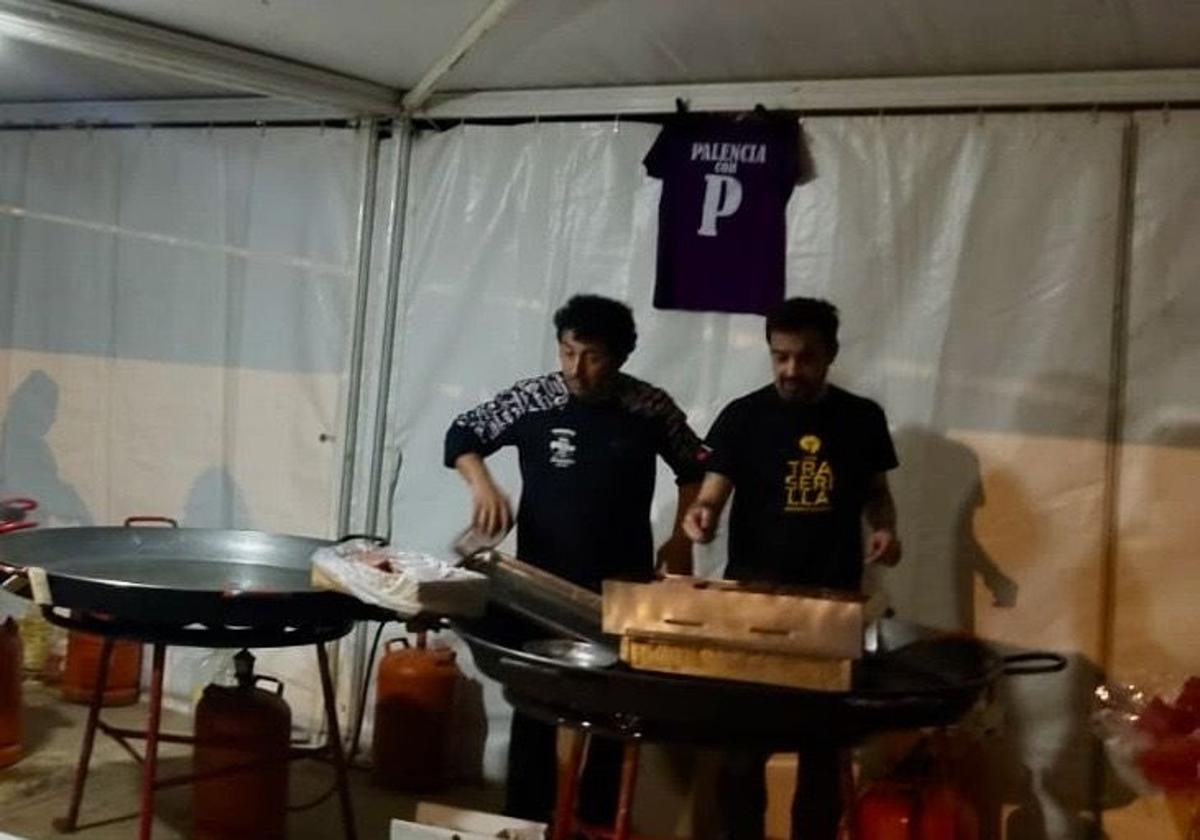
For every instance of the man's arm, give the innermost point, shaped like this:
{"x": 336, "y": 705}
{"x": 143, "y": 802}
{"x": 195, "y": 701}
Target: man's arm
{"x": 700, "y": 520}
{"x": 681, "y": 448}
{"x": 477, "y": 433}
{"x": 491, "y": 512}
{"x": 879, "y": 517}
{"x": 675, "y": 555}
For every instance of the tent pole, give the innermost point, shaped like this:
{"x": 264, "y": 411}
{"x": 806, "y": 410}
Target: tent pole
{"x": 1118, "y": 373}
{"x": 194, "y": 111}
{"x": 131, "y": 43}
{"x": 1146, "y": 88}
{"x": 395, "y": 251}
{"x": 395, "y": 247}
{"x": 484, "y": 23}
{"x": 366, "y": 231}
{"x": 1110, "y": 547}
{"x": 366, "y": 234}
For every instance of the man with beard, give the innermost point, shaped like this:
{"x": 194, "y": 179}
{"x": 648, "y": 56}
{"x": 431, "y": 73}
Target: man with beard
{"x": 806, "y": 464}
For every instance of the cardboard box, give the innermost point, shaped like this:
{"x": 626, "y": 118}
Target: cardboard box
{"x": 706, "y": 659}
{"x": 725, "y": 629}
{"x": 443, "y": 822}
{"x": 816, "y": 623}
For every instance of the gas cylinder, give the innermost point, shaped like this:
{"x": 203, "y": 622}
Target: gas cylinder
{"x": 249, "y": 727}
{"x": 915, "y": 811}
{"x": 10, "y": 693}
{"x": 82, "y": 668}
{"x": 886, "y": 812}
{"x": 414, "y": 698}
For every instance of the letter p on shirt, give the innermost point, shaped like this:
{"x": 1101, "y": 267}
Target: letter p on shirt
{"x": 722, "y": 198}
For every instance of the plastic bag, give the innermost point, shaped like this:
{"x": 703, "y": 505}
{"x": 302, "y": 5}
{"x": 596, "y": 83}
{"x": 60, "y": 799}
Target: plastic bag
{"x": 407, "y": 582}
{"x": 1153, "y": 742}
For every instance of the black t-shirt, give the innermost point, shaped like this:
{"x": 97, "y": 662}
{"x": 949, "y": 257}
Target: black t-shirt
{"x": 587, "y": 471}
{"x": 721, "y": 218}
{"x": 801, "y": 476}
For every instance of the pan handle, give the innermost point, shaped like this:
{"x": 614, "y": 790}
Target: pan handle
{"x": 1039, "y": 662}
{"x": 263, "y": 678}
{"x": 531, "y": 667}
{"x": 375, "y": 538}
{"x": 16, "y": 578}
{"x": 145, "y": 520}
{"x": 550, "y": 670}
{"x": 19, "y": 525}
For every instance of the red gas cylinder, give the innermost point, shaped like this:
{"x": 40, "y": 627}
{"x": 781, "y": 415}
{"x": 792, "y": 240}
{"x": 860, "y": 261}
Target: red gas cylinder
{"x": 414, "y": 697}
{"x": 915, "y": 811}
{"x": 82, "y": 668}
{"x": 886, "y": 812}
{"x": 10, "y": 693}
{"x": 242, "y": 726}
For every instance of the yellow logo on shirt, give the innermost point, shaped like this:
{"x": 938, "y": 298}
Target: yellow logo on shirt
{"x": 808, "y": 484}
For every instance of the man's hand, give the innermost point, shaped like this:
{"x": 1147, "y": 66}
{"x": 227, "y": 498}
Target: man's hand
{"x": 674, "y": 557}
{"x": 883, "y": 547}
{"x": 879, "y": 520}
{"x": 491, "y": 512}
{"x": 700, "y": 523}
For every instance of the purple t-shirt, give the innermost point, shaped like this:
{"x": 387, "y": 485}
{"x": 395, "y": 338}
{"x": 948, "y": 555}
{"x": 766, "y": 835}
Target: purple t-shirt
{"x": 721, "y": 218}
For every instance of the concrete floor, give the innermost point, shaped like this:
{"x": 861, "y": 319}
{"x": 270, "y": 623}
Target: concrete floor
{"x": 37, "y": 789}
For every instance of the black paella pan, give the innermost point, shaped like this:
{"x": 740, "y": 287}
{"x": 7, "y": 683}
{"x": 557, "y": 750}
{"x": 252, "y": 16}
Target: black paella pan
{"x": 927, "y": 680}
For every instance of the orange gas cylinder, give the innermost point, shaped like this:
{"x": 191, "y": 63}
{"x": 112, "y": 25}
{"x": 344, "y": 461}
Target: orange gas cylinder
{"x": 414, "y": 696}
{"x": 10, "y": 693}
{"x": 241, "y": 726}
{"x": 82, "y": 668}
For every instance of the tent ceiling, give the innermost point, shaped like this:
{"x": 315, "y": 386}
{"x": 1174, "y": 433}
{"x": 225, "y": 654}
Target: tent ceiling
{"x": 391, "y": 42}
{"x": 553, "y": 43}
{"x": 567, "y": 43}
{"x": 589, "y": 43}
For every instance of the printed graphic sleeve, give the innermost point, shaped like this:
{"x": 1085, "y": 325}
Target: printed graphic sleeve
{"x": 491, "y": 425}
{"x": 681, "y": 448}
{"x": 678, "y": 445}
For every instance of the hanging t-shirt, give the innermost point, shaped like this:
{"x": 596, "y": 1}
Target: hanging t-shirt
{"x": 587, "y": 471}
{"x": 801, "y": 476}
{"x": 721, "y": 219}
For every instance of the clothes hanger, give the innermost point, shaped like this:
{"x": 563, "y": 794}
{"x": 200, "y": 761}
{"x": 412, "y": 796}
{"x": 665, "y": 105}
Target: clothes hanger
{"x": 758, "y": 113}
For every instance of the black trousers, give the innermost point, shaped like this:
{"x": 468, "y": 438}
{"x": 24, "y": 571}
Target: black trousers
{"x": 742, "y": 795}
{"x": 532, "y": 774}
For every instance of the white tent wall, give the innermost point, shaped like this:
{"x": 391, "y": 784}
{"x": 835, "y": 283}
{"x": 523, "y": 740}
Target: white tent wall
{"x": 1163, "y": 409}
{"x": 175, "y": 309}
{"x": 1155, "y": 627}
{"x": 976, "y": 259}
{"x": 174, "y": 319}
